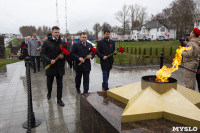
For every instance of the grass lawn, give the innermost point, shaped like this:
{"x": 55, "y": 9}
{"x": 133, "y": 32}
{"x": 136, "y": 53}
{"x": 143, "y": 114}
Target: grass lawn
{"x": 3, "y": 62}
{"x": 8, "y": 51}
{"x": 153, "y": 48}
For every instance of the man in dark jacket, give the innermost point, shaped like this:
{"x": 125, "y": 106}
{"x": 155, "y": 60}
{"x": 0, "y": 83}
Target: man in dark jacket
{"x": 24, "y": 47}
{"x": 104, "y": 48}
{"x": 50, "y": 51}
{"x": 79, "y": 51}
{"x": 70, "y": 58}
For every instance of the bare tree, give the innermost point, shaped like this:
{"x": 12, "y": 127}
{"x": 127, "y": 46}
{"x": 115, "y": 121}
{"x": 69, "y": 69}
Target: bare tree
{"x": 39, "y": 31}
{"x": 123, "y": 17}
{"x": 27, "y": 30}
{"x": 45, "y": 30}
{"x": 89, "y": 33}
{"x": 106, "y": 26}
{"x": 181, "y": 14}
{"x": 137, "y": 14}
{"x": 96, "y": 28}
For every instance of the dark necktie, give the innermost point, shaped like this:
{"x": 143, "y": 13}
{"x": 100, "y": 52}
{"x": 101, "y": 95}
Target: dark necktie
{"x": 84, "y": 44}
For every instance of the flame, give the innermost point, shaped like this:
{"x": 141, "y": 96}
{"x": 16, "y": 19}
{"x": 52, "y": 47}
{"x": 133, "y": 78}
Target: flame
{"x": 164, "y": 73}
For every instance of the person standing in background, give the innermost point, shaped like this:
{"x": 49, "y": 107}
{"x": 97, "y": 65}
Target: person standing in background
{"x": 71, "y": 59}
{"x": 34, "y": 48}
{"x": 191, "y": 58}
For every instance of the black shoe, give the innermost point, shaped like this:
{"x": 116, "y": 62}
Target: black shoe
{"x": 61, "y": 103}
{"x": 39, "y": 70}
{"x": 48, "y": 96}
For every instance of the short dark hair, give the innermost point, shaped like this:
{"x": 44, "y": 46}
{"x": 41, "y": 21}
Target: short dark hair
{"x": 55, "y": 28}
{"x": 106, "y": 31}
{"x": 83, "y": 33}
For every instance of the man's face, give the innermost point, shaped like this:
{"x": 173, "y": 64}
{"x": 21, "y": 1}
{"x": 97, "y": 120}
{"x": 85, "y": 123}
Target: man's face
{"x": 107, "y": 35}
{"x": 55, "y": 33}
{"x": 34, "y": 35}
{"x": 72, "y": 38}
{"x": 83, "y": 38}
{"x": 42, "y": 39}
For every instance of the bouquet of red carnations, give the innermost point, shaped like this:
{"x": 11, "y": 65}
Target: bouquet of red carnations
{"x": 93, "y": 50}
{"x": 64, "y": 51}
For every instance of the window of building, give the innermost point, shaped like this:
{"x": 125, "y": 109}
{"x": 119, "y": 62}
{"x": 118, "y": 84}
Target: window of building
{"x": 162, "y": 29}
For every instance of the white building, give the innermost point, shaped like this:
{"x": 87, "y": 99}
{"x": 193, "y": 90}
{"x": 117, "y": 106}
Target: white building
{"x": 197, "y": 21}
{"x": 153, "y": 30}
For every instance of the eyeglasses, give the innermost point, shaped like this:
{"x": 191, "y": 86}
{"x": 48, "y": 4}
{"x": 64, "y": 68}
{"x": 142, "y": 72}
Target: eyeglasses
{"x": 84, "y": 37}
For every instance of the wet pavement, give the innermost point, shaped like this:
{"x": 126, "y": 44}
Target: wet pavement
{"x": 55, "y": 119}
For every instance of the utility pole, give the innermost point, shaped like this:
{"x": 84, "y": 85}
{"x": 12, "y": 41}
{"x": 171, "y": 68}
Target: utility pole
{"x": 57, "y": 17}
{"x": 66, "y": 15}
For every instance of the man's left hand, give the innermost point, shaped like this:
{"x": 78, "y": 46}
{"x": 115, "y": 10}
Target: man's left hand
{"x": 61, "y": 56}
{"x": 38, "y": 49}
{"x": 89, "y": 56}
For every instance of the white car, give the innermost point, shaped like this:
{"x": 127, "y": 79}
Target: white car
{"x": 94, "y": 45}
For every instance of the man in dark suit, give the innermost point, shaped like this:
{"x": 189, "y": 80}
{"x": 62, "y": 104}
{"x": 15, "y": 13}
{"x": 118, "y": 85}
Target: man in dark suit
{"x": 70, "y": 58}
{"x": 50, "y": 51}
{"x": 24, "y": 47}
{"x": 106, "y": 47}
{"x": 79, "y": 51}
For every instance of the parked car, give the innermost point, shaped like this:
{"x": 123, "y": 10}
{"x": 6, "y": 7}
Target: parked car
{"x": 162, "y": 38}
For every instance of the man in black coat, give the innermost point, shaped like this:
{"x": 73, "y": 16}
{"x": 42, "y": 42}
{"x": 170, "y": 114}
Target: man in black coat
{"x": 106, "y": 47}
{"x": 24, "y": 47}
{"x": 50, "y": 51}
{"x": 79, "y": 51}
{"x": 70, "y": 58}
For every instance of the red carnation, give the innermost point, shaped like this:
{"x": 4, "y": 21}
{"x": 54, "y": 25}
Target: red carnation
{"x": 67, "y": 44}
{"x": 196, "y": 31}
{"x": 94, "y": 50}
{"x": 121, "y": 49}
{"x": 65, "y": 51}
{"x": 23, "y": 47}
{"x": 38, "y": 42}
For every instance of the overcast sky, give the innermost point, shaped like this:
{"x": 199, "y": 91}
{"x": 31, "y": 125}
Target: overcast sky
{"x": 81, "y": 14}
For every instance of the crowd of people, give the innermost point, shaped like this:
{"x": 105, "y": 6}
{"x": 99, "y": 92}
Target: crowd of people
{"x": 48, "y": 51}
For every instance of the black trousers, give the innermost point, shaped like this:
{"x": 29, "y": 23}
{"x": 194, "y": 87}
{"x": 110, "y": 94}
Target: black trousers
{"x": 70, "y": 61}
{"x": 86, "y": 80}
{"x": 34, "y": 63}
{"x": 59, "y": 80}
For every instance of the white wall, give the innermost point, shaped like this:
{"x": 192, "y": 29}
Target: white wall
{"x": 153, "y": 33}
{"x": 172, "y": 34}
{"x": 135, "y": 34}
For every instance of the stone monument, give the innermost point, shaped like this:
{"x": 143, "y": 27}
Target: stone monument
{"x": 2, "y": 47}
